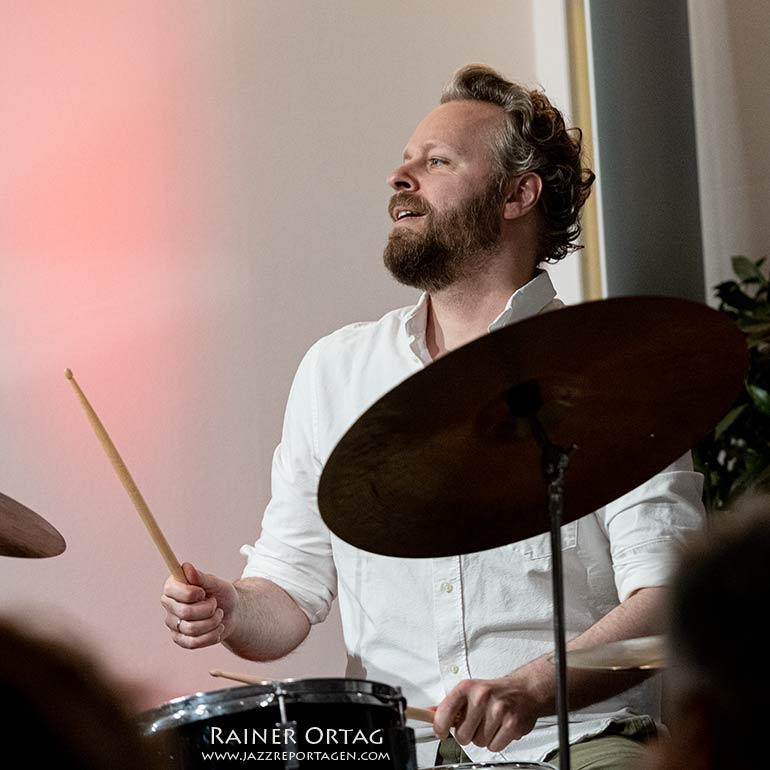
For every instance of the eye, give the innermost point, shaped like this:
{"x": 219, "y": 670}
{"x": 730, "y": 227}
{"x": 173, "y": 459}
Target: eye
{"x": 433, "y": 162}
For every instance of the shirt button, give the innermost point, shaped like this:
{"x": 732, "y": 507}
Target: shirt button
{"x": 454, "y": 669}
{"x": 447, "y": 588}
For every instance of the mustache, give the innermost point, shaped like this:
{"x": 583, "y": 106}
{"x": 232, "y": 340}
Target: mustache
{"x": 409, "y": 201}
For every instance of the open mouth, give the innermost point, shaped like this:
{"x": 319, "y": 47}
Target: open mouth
{"x": 402, "y": 214}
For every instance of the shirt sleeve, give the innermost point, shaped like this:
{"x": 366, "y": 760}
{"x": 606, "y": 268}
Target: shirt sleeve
{"x": 294, "y": 549}
{"x": 647, "y": 526}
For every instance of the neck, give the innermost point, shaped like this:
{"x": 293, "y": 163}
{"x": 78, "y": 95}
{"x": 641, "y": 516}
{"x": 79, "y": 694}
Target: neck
{"x": 464, "y": 311}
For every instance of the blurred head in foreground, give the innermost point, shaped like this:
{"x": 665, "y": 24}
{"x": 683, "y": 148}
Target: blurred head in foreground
{"x": 60, "y": 709}
{"x": 719, "y": 673}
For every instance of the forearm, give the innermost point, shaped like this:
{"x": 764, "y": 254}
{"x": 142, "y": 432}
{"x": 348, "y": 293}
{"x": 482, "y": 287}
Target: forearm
{"x": 268, "y": 624}
{"x": 639, "y": 615}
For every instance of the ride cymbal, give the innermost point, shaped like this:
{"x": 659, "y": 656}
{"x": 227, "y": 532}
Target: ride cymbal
{"x": 641, "y": 654}
{"x": 447, "y": 463}
{"x": 23, "y": 533}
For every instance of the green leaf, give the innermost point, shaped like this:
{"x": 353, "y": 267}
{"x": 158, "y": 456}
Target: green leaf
{"x": 728, "y": 420}
{"x": 747, "y": 270}
{"x": 760, "y": 397}
{"x": 730, "y": 293}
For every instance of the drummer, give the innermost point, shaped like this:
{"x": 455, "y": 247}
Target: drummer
{"x": 491, "y": 186}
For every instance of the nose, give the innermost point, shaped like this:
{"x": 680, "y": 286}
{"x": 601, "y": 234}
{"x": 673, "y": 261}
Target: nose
{"x": 401, "y": 178}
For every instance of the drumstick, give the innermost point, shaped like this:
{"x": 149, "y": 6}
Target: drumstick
{"x": 245, "y": 678}
{"x": 133, "y": 491}
{"x": 418, "y": 714}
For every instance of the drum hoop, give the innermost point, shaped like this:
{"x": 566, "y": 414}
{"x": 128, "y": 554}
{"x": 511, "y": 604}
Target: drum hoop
{"x": 498, "y": 765}
{"x": 188, "y": 709}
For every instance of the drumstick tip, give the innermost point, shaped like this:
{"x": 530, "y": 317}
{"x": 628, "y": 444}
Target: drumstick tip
{"x": 68, "y": 373}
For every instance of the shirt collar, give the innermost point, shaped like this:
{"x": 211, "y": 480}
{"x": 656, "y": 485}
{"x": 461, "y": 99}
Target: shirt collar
{"x": 526, "y": 301}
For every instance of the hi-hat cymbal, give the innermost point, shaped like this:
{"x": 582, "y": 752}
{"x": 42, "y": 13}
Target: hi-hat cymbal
{"x": 645, "y": 652}
{"x": 440, "y": 466}
{"x": 24, "y": 533}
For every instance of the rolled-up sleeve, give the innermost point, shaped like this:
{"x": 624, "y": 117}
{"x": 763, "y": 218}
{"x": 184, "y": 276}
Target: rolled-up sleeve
{"x": 647, "y": 526}
{"x": 293, "y": 549}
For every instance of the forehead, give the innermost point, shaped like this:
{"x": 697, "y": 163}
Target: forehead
{"x": 464, "y": 126}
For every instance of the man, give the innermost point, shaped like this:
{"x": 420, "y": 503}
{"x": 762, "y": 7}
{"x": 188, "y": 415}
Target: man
{"x": 717, "y": 668}
{"x": 490, "y": 186}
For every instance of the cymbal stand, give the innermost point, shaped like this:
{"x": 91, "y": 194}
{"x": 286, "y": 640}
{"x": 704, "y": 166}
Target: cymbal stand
{"x": 525, "y": 400}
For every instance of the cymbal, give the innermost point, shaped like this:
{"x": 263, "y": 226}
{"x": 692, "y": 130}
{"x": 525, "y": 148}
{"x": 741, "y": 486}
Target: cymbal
{"x": 24, "y": 533}
{"x": 641, "y": 654}
{"x": 440, "y": 466}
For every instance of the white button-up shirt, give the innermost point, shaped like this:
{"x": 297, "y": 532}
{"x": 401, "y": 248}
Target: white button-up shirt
{"x": 427, "y": 624}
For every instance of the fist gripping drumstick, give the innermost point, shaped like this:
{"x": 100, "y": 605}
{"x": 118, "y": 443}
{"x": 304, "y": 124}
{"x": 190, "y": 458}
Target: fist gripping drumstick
{"x": 419, "y": 715}
{"x": 133, "y": 491}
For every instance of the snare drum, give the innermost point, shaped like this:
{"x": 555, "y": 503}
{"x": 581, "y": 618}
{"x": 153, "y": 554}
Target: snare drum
{"x": 501, "y": 765}
{"x": 284, "y": 725}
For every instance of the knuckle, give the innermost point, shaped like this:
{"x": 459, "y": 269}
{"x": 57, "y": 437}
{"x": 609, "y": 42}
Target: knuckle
{"x": 511, "y": 728}
{"x": 465, "y": 686}
{"x": 480, "y": 695}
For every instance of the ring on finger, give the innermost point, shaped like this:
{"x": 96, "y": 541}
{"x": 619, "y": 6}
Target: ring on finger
{"x": 178, "y": 623}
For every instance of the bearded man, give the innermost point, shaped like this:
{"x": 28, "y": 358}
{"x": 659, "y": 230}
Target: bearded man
{"x": 491, "y": 186}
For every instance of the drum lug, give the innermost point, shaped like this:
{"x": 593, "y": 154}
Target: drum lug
{"x": 288, "y": 734}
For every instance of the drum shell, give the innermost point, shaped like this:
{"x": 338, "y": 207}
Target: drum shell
{"x": 325, "y": 716}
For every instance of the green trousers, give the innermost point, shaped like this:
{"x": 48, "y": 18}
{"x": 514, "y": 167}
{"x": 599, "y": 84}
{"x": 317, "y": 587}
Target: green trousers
{"x": 618, "y": 748}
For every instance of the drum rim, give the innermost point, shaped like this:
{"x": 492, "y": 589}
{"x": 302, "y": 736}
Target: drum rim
{"x": 471, "y": 765}
{"x": 188, "y": 709}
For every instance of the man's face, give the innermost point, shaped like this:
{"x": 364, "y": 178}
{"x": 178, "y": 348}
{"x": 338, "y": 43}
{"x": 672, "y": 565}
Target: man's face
{"x": 446, "y": 184}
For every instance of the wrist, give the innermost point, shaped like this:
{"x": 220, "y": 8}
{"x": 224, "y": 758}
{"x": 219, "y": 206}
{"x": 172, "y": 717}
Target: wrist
{"x": 538, "y": 680}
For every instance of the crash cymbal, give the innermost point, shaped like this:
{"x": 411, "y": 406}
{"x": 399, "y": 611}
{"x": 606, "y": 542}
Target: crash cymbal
{"x": 440, "y": 466}
{"x": 24, "y": 533}
{"x": 646, "y": 652}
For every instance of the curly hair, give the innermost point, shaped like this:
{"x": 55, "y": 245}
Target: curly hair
{"x": 535, "y": 139}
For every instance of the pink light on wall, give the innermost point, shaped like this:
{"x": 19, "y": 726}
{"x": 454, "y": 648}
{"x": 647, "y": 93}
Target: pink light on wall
{"x": 97, "y": 166}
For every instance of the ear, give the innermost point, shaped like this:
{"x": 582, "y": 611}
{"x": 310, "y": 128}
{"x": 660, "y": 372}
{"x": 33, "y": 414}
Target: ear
{"x": 523, "y": 195}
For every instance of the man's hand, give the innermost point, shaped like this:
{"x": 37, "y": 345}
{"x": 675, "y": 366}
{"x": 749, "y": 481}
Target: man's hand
{"x": 202, "y": 611}
{"x": 489, "y": 712}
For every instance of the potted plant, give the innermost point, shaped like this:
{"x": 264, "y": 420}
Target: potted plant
{"x": 735, "y": 456}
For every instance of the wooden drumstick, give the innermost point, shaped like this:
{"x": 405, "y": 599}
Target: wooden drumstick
{"x": 245, "y": 678}
{"x": 418, "y": 714}
{"x": 133, "y": 491}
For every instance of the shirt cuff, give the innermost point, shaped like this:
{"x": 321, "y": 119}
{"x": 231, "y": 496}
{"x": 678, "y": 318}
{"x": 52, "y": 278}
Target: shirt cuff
{"x": 311, "y": 596}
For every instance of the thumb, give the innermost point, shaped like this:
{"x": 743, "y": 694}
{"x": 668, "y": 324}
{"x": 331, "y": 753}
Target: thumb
{"x": 209, "y": 583}
{"x": 191, "y": 574}
{"x": 196, "y": 577}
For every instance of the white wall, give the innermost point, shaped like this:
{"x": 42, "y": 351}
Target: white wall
{"x": 192, "y": 193}
{"x": 731, "y": 77}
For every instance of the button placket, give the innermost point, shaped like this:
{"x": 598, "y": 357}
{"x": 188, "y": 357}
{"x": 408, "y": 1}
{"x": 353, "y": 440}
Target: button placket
{"x": 448, "y": 613}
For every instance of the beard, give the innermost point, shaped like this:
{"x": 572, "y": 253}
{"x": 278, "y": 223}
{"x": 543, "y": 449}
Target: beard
{"x": 451, "y": 244}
